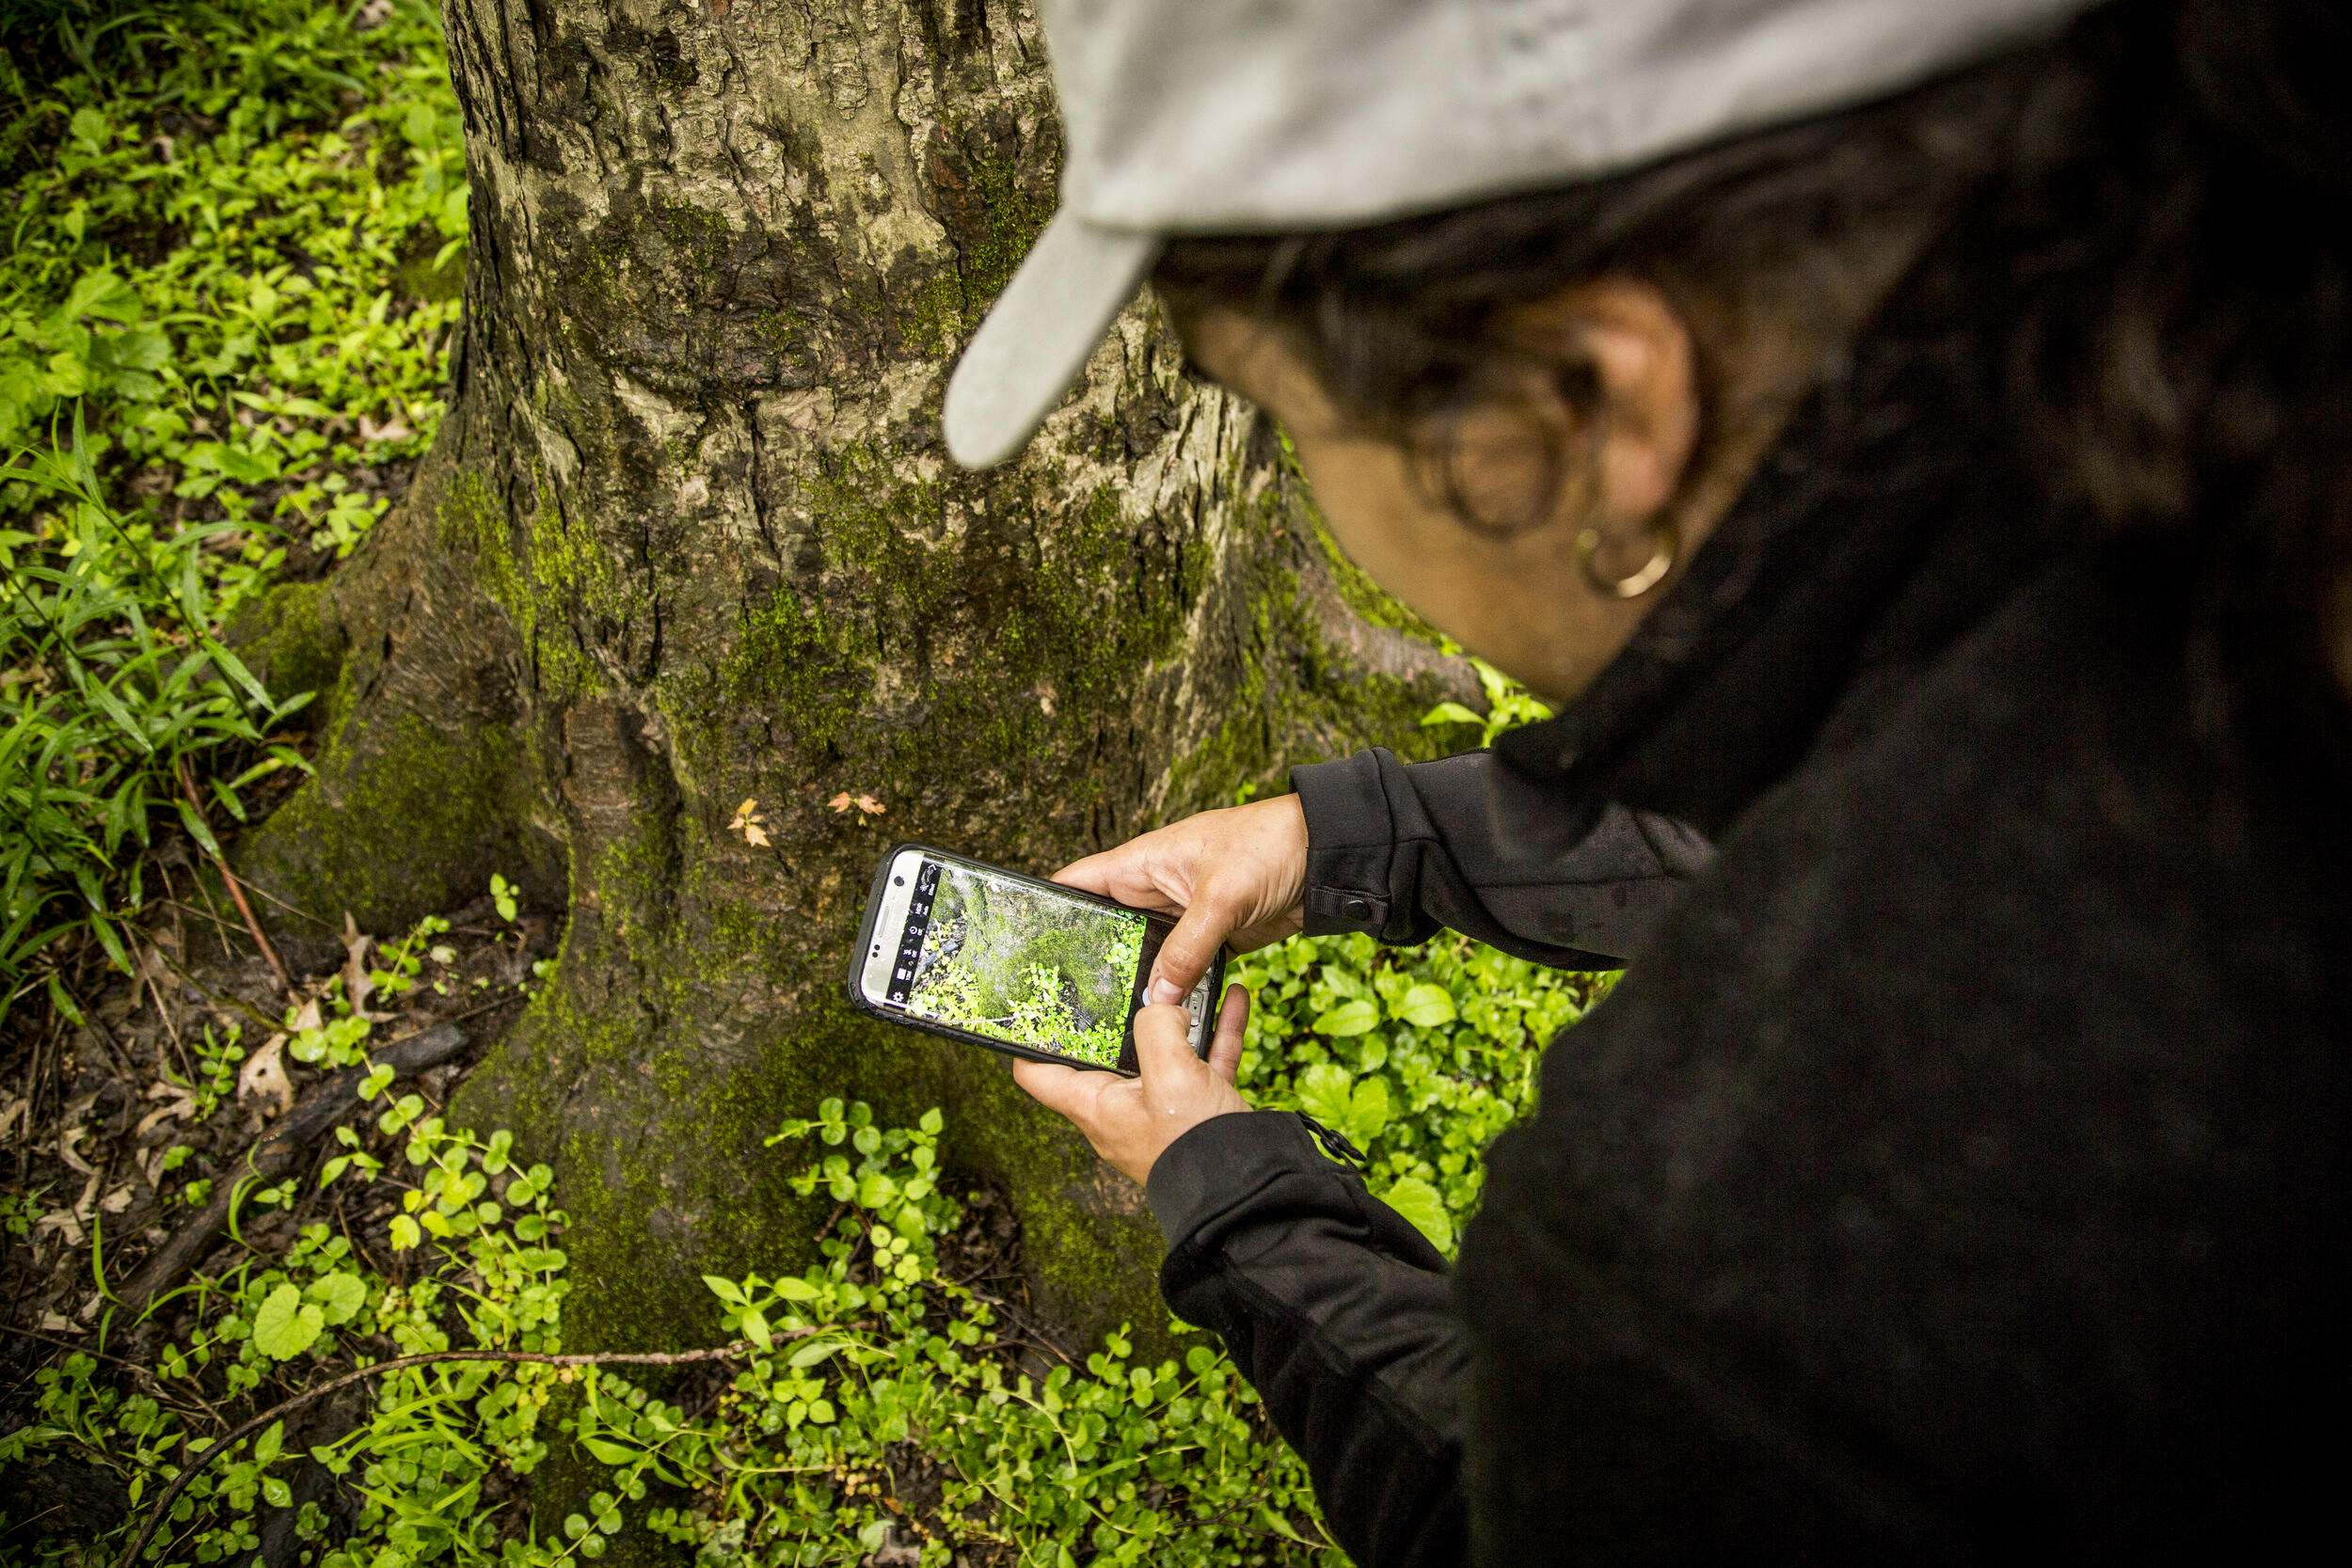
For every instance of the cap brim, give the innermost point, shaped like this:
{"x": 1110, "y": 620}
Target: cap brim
{"x": 1039, "y": 334}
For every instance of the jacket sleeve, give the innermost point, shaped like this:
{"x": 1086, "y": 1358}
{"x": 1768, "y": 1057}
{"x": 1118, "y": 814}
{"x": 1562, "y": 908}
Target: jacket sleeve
{"x": 1471, "y": 842}
{"x": 1337, "y": 1311}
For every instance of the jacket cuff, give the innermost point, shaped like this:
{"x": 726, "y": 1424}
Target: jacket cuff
{"x": 1218, "y": 1163}
{"x": 1351, "y": 844}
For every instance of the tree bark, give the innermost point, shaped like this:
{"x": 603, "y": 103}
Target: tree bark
{"x": 688, "y": 537}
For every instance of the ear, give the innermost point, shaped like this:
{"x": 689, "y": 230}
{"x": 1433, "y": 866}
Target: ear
{"x": 1634, "y": 347}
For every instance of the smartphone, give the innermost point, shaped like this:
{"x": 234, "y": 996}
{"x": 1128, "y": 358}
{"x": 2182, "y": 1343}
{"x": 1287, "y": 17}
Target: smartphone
{"x": 1030, "y": 967}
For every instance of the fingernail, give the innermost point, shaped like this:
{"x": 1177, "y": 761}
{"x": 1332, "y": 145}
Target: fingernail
{"x": 1164, "y": 993}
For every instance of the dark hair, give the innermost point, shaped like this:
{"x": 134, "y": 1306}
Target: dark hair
{"x": 2182, "y": 351}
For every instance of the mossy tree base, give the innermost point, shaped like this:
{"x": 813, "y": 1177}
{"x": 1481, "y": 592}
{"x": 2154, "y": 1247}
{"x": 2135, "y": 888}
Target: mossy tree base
{"x": 688, "y": 539}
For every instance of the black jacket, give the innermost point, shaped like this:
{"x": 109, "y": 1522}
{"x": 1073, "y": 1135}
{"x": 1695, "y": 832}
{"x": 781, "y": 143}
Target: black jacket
{"x": 1959, "y": 1169}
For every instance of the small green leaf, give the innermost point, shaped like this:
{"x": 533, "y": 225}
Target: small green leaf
{"x": 813, "y": 1352}
{"x": 795, "y": 1289}
{"x": 1426, "y": 1007}
{"x": 1419, "y": 1202}
{"x": 1348, "y": 1018}
{"x": 340, "y": 1296}
{"x": 610, "y": 1451}
{"x": 726, "y": 1290}
{"x": 754, "y": 1325}
{"x": 1450, "y": 713}
{"x": 286, "y": 1326}
{"x": 1323, "y": 1093}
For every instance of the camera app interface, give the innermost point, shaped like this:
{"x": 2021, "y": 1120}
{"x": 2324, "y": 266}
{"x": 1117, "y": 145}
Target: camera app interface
{"x": 1016, "y": 963}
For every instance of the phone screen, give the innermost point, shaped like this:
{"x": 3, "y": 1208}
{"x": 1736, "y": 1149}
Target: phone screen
{"x": 1021, "y": 964}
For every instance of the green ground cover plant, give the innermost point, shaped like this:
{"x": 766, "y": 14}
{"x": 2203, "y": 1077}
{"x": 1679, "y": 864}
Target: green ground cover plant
{"x": 872, "y": 1377}
{"x": 224, "y": 310}
{"x": 881, "y": 1399}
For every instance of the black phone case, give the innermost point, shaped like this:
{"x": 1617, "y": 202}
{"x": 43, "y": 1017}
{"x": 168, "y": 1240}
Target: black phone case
{"x": 865, "y": 936}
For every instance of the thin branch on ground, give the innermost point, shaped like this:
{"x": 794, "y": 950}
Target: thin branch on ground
{"x": 236, "y": 889}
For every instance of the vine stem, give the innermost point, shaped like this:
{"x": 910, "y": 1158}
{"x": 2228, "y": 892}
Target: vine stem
{"x": 162, "y": 1510}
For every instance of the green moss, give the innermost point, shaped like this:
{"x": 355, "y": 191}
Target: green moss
{"x": 1047, "y": 622}
{"x": 1008, "y": 210}
{"x": 291, "y": 638}
{"x": 415, "y": 823}
{"x": 562, "y": 578}
{"x": 692, "y": 231}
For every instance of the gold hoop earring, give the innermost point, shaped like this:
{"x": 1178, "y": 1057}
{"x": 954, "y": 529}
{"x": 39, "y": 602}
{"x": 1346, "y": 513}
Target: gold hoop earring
{"x": 1665, "y": 545}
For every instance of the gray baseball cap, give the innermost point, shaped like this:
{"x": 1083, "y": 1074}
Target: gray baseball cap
{"x": 1199, "y": 117}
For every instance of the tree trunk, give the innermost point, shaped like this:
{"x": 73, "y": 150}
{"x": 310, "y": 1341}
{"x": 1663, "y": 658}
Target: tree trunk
{"x": 689, "y": 536}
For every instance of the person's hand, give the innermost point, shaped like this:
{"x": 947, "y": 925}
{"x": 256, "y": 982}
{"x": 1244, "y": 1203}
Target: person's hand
{"x": 1130, "y": 1120}
{"x": 1235, "y": 877}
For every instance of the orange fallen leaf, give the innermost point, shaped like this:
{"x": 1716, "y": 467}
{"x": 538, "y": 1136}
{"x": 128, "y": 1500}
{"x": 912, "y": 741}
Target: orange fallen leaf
{"x": 870, "y": 806}
{"x": 840, "y": 803}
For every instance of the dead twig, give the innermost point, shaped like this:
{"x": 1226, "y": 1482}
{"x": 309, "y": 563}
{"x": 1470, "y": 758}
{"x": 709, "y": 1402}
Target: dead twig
{"x": 162, "y": 1510}
{"x": 236, "y": 889}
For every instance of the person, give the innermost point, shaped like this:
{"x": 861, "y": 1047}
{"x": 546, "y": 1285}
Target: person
{"x": 1906, "y": 443}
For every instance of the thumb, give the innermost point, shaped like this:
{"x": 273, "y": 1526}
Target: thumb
{"x": 1164, "y": 1053}
{"x": 1064, "y": 1090}
{"x": 1186, "y": 954}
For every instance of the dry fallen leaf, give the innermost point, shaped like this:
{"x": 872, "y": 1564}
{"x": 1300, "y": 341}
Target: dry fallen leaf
{"x": 182, "y": 1108}
{"x": 264, "y": 1075}
{"x": 870, "y": 806}
{"x": 66, "y": 1141}
{"x": 359, "y": 981}
{"x": 840, "y": 803}
{"x": 54, "y": 1322}
{"x": 64, "y": 1223}
{"x": 117, "y": 1201}
{"x": 393, "y": 429}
